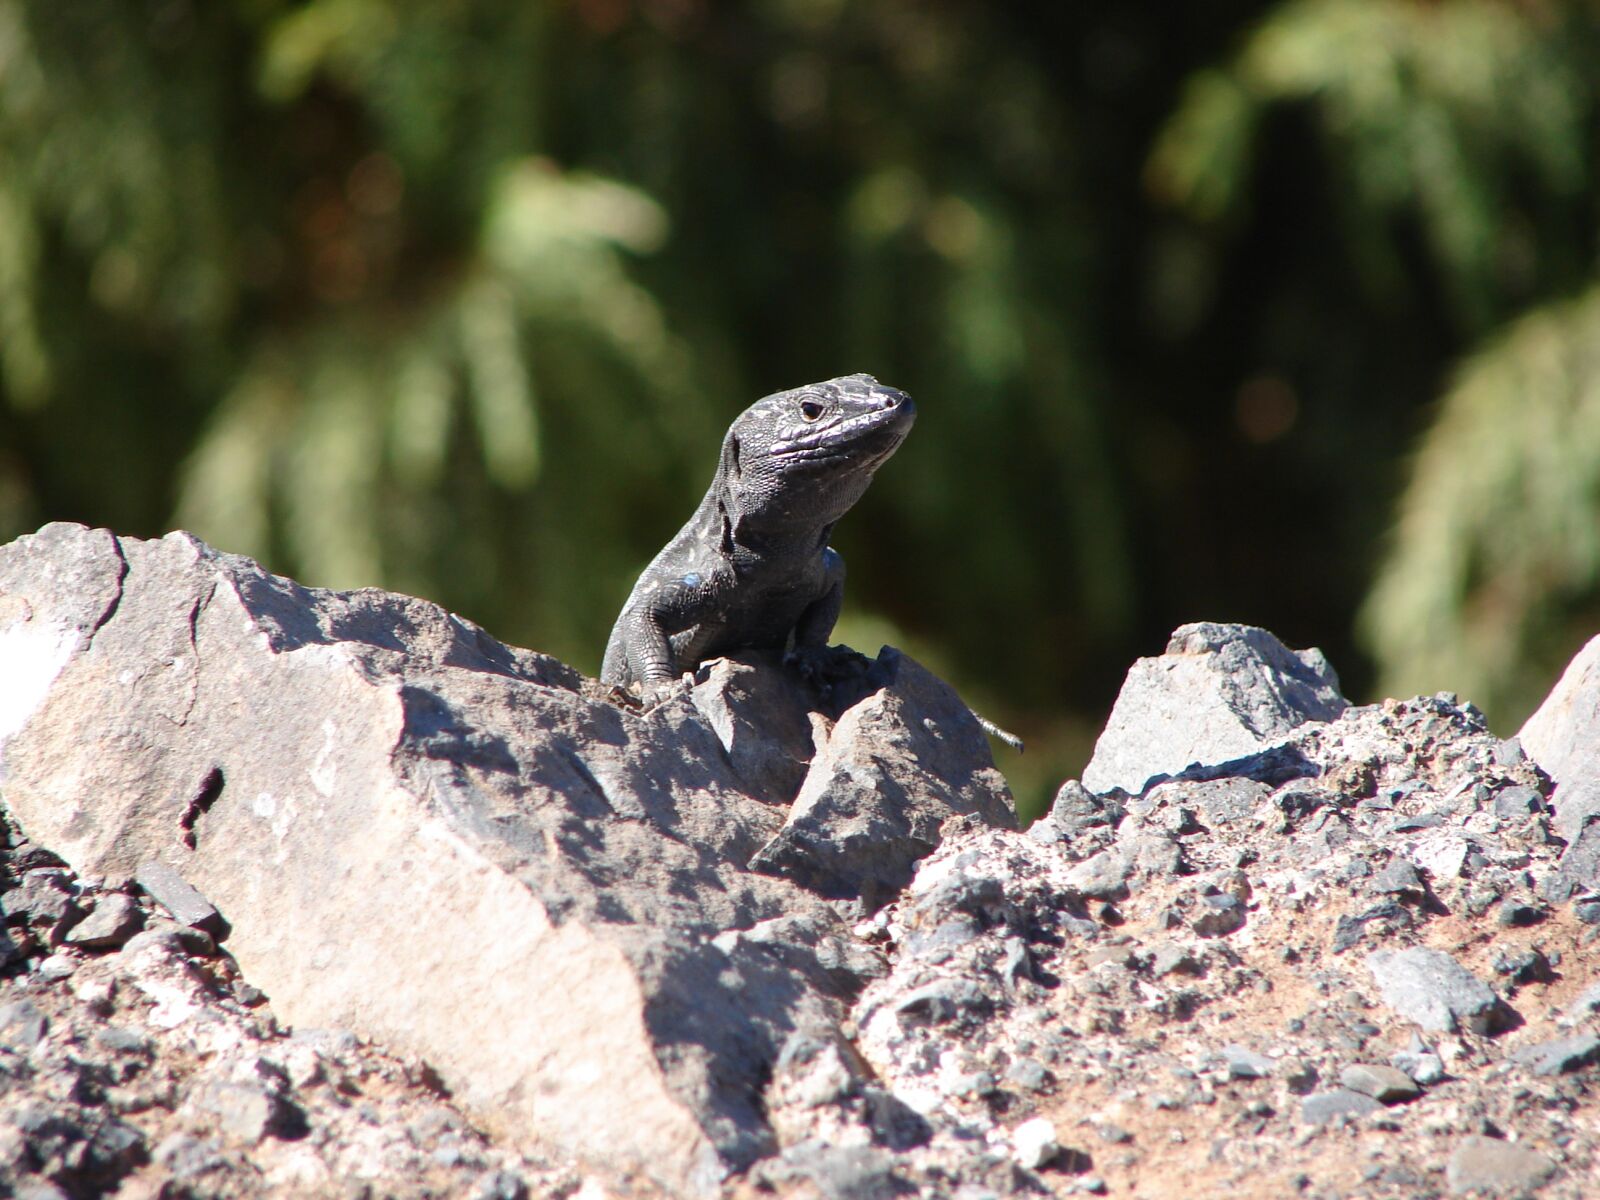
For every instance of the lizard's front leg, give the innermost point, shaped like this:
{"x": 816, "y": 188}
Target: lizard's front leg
{"x": 815, "y": 626}
{"x": 651, "y": 659}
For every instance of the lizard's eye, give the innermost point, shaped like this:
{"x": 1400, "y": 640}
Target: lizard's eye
{"x": 810, "y": 409}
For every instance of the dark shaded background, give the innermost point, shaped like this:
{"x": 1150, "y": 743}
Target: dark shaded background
{"x": 1198, "y": 303}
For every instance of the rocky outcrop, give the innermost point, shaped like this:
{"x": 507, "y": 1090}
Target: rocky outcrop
{"x": 758, "y": 940}
{"x": 415, "y": 833}
{"x": 1219, "y": 692}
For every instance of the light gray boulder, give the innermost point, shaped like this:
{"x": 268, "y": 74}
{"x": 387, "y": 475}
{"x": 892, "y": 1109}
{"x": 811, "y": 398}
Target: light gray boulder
{"x": 1219, "y": 693}
{"x": 1563, "y": 737}
{"x": 462, "y": 850}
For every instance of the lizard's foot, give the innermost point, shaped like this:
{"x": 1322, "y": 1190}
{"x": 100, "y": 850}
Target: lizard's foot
{"x": 833, "y": 672}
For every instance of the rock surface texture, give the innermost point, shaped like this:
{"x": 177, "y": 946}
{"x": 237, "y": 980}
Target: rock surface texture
{"x": 751, "y": 942}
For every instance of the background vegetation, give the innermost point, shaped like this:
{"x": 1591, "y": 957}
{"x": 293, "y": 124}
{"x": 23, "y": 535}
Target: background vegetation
{"x": 1198, "y": 301}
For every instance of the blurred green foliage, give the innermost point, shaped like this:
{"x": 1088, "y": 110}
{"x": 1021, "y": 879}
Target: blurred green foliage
{"x": 457, "y": 296}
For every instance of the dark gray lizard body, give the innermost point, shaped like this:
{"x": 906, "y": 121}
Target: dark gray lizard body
{"x": 752, "y": 569}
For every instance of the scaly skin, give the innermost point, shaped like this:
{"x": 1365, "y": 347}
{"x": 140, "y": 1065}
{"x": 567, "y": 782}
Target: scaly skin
{"x": 753, "y": 569}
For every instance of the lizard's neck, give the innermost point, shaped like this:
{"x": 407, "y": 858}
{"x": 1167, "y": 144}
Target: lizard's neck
{"x": 751, "y": 529}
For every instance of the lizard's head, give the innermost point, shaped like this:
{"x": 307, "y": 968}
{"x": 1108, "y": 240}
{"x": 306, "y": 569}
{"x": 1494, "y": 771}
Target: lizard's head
{"x": 807, "y": 455}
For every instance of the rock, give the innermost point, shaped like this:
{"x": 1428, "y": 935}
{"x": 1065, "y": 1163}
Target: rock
{"x": 1220, "y": 692}
{"x": 113, "y": 921}
{"x": 1172, "y": 959}
{"x": 1299, "y": 1076}
{"x": 1516, "y": 802}
{"x": 57, "y": 966}
{"x": 498, "y": 1185}
{"x": 22, "y": 1025}
{"x": 1419, "y": 1062}
{"x": 1563, "y": 737}
{"x": 178, "y": 897}
{"x": 1034, "y": 1143}
{"x": 1101, "y": 876}
{"x": 1580, "y": 865}
{"x": 1488, "y": 1166}
{"x": 1353, "y": 928}
{"x": 761, "y": 722}
{"x": 1398, "y": 878}
{"x": 1559, "y": 1057}
{"x": 1430, "y": 988}
{"x": 892, "y": 770}
{"x": 1246, "y": 1064}
{"x": 245, "y": 1113}
{"x": 1029, "y": 1074}
{"x": 45, "y": 900}
{"x": 533, "y": 903}
{"x": 1219, "y": 916}
{"x": 1384, "y": 1084}
{"x": 1517, "y": 915}
{"x": 1321, "y": 1107}
{"x": 420, "y": 834}
{"x": 843, "y": 1172}
{"x": 1587, "y": 1004}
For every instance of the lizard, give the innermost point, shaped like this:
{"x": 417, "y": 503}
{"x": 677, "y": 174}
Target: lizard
{"x": 752, "y": 568}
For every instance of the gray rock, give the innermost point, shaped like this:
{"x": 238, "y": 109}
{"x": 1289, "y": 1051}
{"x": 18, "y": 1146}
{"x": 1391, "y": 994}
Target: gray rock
{"x": 1219, "y": 916}
{"x": 1384, "y": 917}
{"x": 244, "y": 1112}
{"x": 1034, "y": 1143}
{"x": 22, "y": 1025}
{"x": 1220, "y": 692}
{"x": 1514, "y": 914}
{"x": 1488, "y": 1166}
{"x": 1101, "y": 876}
{"x": 188, "y": 1157}
{"x": 1586, "y": 1005}
{"x": 43, "y": 898}
{"x": 1419, "y": 1061}
{"x": 1513, "y": 803}
{"x": 498, "y": 1185}
{"x": 1173, "y": 959}
{"x": 417, "y": 833}
{"x": 57, "y": 966}
{"x": 1559, "y": 1057}
{"x": 1400, "y": 877}
{"x": 113, "y": 921}
{"x": 1321, "y": 1107}
{"x": 761, "y": 722}
{"x": 1385, "y": 1084}
{"x": 1029, "y": 1074}
{"x": 1580, "y": 865}
{"x": 1169, "y": 958}
{"x": 894, "y": 768}
{"x": 1076, "y": 815}
{"x": 1299, "y": 1076}
{"x": 1243, "y": 1063}
{"x": 1431, "y": 989}
{"x": 1563, "y": 737}
{"x": 175, "y": 894}
{"x": 842, "y": 1172}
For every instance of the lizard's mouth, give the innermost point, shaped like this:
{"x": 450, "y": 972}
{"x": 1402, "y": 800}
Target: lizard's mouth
{"x": 859, "y": 438}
